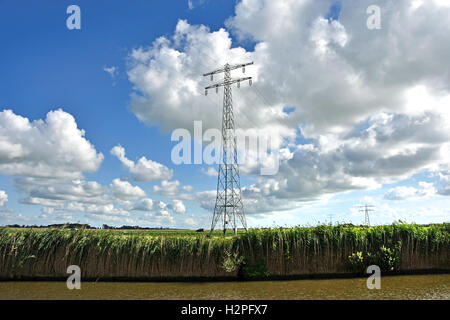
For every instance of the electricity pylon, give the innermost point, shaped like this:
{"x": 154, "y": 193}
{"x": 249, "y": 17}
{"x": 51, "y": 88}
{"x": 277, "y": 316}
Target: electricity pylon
{"x": 330, "y": 219}
{"x": 366, "y": 209}
{"x": 229, "y": 197}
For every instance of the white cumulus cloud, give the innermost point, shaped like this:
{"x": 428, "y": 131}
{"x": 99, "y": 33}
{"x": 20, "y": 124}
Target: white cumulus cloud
{"x": 51, "y": 148}
{"x": 178, "y": 206}
{"x": 3, "y": 198}
{"x": 144, "y": 169}
{"x": 125, "y": 191}
{"x": 425, "y": 189}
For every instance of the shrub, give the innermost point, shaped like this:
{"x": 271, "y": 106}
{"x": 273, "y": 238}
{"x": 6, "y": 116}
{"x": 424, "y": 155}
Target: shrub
{"x": 231, "y": 262}
{"x": 254, "y": 270}
{"x": 388, "y": 259}
{"x": 357, "y": 262}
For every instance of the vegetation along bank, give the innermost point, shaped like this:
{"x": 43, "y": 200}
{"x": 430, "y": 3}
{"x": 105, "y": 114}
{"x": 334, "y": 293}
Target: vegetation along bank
{"x": 260, "y": 254}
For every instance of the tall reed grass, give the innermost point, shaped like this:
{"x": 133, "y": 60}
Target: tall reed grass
{"x": 36, "y": 253}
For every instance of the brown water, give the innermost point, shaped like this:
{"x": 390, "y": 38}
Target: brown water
{"x": 398, "y": 287}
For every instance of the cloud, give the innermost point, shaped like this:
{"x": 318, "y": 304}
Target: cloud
{"x": 127, "y": 203}
{"x": 206, "y": 199}
{"x": 169, "y": 189}
{"x": 192, "y": 4}
{"x": 144, "y": 169}
{"x": 187, "y": 188}
{"x": 424, "y": 189}
{"x": 111, "y": 71}
{"x": 178, "y": 206}
{"x": 211, "y": 172}
{"x": 123, "y": 190}
{"x": 103, "y": 210}
{"x": 77, "y": 195}
{"x": 52, "y": 215}
{"x": 3, "y": 198}
{"x": 50, "y": 148}
{"x": 445, "y": 191}
{"x": 191, "y": 222}
{"x": 146, "y": 204}
{"x": 162, "y": 209}
{"x": 56, "y": 190}
{"x": 152, "y": 69}
{"x": 71, "y": 195}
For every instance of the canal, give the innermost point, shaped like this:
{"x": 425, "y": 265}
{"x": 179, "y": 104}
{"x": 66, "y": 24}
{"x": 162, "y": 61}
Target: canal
{"x": 392, "y": 287}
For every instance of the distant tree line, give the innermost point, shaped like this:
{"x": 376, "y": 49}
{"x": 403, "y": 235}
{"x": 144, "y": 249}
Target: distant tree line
{"x": 56, "y": 225}
{"x": 105, "y": 226}
{"x": 86, "y": 226}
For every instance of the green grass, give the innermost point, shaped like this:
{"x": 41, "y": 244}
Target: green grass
{"x": 180, "y": 253}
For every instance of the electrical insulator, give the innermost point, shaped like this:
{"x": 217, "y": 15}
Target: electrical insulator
{"x": 250, "y": 82}
{"x": 243, "y": 69}
{"x": 217, "y": 89}
{"x": 206, "y": 92}
{"x": 239, "y": 84}
{"x": 211, "y": 77}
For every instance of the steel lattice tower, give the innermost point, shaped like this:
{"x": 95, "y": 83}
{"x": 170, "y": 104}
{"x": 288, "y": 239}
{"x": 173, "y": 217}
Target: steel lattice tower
{"x": 366, "y": 209}
{"x": 229, "y": 197}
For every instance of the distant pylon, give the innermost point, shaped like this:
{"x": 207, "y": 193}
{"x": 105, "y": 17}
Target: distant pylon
{"x": 330, "y": 218}
{"x": 229, "y": 197}
{"x": 366, "y": 209}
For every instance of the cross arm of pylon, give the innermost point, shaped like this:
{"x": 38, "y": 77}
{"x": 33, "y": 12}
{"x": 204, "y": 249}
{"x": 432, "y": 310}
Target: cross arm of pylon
{"x": 229, "y": 67}
{"x": 366, "y": 208}
{"x": 223, "y": 83}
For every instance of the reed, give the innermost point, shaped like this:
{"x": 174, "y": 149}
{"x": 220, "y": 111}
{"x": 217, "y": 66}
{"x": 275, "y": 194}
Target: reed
{"x": 37, "y": 253}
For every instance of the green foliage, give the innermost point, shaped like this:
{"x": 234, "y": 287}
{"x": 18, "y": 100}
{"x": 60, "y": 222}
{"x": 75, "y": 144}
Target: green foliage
{"x": 357, "y": 262}
{"x": 254, "y": 270}
{"x": 232, "y": 261}
{"x": 388, "y": 259}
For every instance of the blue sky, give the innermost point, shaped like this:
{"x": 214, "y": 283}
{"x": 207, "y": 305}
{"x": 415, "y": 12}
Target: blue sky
{"x": 44, "y": 66}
